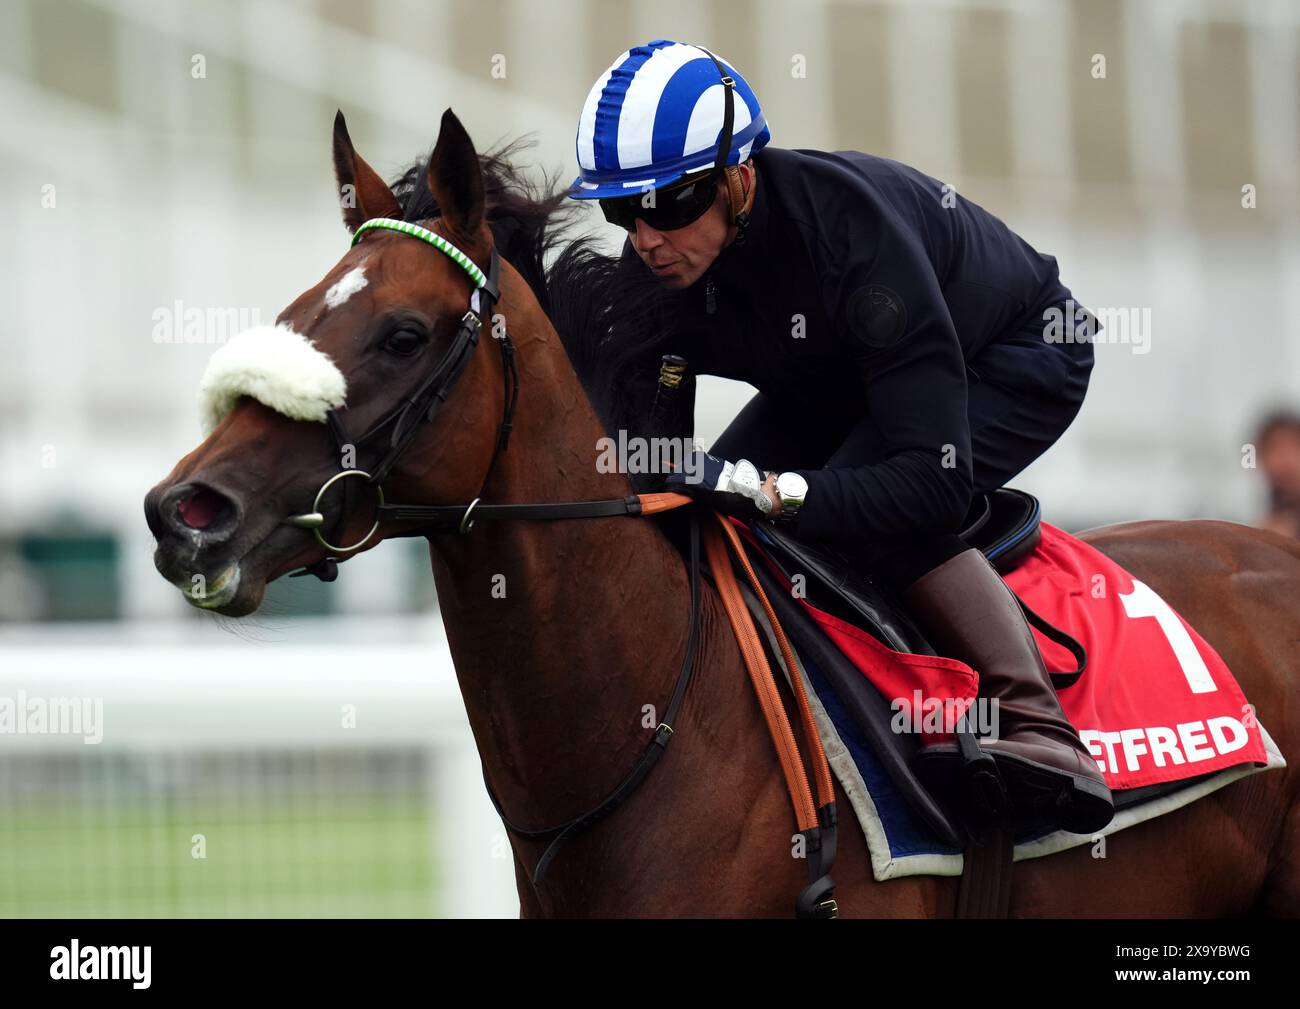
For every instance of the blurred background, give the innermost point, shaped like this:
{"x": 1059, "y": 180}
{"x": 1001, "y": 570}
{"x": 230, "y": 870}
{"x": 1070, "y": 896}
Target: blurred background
{"x": 167, "y": 181}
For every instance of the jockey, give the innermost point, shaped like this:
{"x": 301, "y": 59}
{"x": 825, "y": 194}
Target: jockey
{"x": 901, "y": 341}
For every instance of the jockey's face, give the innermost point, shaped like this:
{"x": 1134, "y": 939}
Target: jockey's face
{"x": 686, "y": 253}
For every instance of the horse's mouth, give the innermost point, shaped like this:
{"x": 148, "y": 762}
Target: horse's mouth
{"x": 215, "y": 594}
{"x": 229, "y": 591}
{"x": 230, "y": 586}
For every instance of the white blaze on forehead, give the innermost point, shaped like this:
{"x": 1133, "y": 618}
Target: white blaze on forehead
{"x": 351, "y": 282}
{"x": 277, "y": 367}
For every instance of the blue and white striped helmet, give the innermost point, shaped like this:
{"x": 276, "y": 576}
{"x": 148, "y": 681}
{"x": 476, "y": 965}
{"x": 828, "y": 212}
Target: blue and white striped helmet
{"x": 655, "y": 115}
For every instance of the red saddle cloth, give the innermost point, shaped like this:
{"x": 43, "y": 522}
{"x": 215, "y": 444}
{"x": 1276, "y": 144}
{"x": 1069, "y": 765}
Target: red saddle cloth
{"x": 1156, "y": 702}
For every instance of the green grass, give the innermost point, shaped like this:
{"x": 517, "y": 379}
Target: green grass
{"x": 280, "y": 855}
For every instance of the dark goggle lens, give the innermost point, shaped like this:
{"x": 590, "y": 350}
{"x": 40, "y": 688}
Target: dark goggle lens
{"x": 667, "y": 211}
{"x": 620, "y": 212}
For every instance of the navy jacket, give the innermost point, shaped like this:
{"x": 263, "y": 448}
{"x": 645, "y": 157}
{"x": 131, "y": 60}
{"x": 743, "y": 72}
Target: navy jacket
{"x": 858, "y": 296}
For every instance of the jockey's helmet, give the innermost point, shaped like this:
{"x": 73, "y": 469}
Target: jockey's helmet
{"x": 657, "y": 114}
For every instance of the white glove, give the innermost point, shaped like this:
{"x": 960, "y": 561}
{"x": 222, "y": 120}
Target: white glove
{"x": 743, "y": 478}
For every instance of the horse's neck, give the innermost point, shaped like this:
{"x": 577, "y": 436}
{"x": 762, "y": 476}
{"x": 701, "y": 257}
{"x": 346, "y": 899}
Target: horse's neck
{"x": 563, "y": 633}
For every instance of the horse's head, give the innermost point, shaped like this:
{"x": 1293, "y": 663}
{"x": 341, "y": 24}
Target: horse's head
{"x": 380, "y": 332}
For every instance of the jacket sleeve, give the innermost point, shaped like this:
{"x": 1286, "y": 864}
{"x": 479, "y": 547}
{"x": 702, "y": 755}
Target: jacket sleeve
{"x": 905, "y": 468}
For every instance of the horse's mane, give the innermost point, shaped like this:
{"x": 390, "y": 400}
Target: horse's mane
{"x": 614, "y": 319}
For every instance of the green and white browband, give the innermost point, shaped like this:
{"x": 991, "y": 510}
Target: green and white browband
{"x": 424, "y": 234}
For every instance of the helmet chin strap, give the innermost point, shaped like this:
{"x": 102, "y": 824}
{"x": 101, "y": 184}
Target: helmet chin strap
{"x": 737, "y": 214}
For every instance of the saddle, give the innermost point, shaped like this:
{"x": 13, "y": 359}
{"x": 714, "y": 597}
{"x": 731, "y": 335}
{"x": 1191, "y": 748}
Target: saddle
{"x": 973, "y": 814}
{"x": 1005, "y": 527}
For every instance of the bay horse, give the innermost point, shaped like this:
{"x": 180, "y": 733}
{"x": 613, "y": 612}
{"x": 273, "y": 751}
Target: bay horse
{"x": 562, "y": 633}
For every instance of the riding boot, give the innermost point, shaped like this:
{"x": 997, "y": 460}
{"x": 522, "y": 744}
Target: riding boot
{"x": 968, "y": 613}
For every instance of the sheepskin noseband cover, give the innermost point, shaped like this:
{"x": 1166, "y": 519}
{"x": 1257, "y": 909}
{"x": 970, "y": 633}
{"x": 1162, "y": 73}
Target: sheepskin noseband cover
{"x": 277, "y": 367}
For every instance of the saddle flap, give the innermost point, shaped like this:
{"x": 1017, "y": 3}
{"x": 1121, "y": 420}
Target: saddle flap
{"x": 865, "y": 705}
{"x": 835, "y": 584}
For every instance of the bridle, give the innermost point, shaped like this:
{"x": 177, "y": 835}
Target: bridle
{"x": 423, "y": 404}
{"x": 404, "y": 422}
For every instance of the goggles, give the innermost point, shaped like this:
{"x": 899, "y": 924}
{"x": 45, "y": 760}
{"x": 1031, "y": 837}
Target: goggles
{"x": 667, "y": 209}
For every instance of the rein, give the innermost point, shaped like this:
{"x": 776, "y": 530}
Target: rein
{"x": 816, "y": 818}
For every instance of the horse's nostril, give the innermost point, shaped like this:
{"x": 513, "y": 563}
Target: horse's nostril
{"x": 191, "y": 509}
{"x": 202, "y": 508}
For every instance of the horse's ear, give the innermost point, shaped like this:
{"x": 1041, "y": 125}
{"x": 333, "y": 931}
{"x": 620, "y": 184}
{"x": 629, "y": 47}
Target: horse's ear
{"x": 362, "y": 193}
{"x": 455, "y": 177}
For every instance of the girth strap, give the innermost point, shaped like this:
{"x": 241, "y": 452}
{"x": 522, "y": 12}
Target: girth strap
{"x": 985, "y": 887}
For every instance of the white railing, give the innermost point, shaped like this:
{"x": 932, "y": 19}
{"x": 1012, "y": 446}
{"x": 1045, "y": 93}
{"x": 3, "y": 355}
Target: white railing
{"x": 318, "y": 766}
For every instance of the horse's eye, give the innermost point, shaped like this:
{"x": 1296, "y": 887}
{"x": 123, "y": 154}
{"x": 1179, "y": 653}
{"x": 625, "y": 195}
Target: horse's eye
{"x": 404, "y": 342}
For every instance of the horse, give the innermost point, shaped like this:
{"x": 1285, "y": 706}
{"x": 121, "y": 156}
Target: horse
{"x": 565, "y": 633}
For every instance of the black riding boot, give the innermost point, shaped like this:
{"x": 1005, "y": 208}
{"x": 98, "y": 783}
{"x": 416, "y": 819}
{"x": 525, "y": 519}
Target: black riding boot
{"x": 969, "y": 613}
